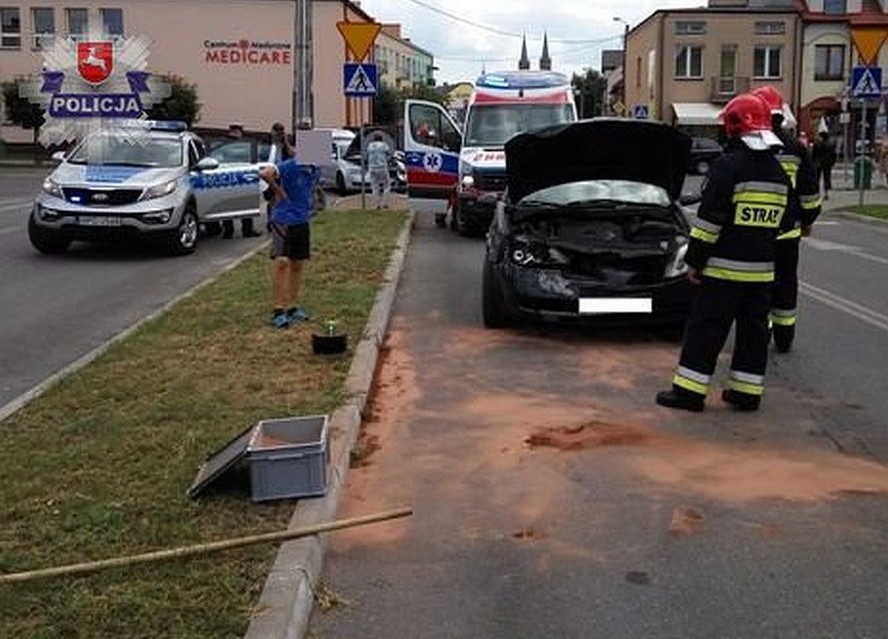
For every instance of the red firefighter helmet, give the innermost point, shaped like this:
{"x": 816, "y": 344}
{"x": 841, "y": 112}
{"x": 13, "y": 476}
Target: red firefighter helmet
{"x": 772, "y": 97}
{"x": 747, "y": 117}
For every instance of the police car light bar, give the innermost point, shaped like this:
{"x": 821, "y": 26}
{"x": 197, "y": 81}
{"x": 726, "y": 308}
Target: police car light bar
{"x": 522, "y": 80}
{"x": 167, "y": 125}
{"x": 157, "y": 125}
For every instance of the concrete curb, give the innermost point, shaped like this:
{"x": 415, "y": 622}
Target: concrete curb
{"x": 22, "y": 400}
{"x": 857, "y": 217}
{"x": 286, "y": 602}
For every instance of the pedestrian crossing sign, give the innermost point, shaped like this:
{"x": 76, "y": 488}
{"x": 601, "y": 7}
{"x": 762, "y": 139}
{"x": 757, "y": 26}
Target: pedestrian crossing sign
{"x": 359, "y": 79}
{"x": 866, "y": 82}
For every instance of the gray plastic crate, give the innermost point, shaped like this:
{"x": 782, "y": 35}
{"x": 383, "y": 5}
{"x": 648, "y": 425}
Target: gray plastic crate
{"x": 288, "y": 458}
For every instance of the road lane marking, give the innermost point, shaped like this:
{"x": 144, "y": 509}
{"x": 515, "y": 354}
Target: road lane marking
{"x": 826, "y": 245}
{"x": 863, "y": 313}
{"x": 11, "y": 205}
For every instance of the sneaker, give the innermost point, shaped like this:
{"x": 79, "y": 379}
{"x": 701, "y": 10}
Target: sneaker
{"x": 673, "y": 399}
{"x": 298, "y": 315}
{"x": 740, "y": 401}
{"x": 281, "y": 320}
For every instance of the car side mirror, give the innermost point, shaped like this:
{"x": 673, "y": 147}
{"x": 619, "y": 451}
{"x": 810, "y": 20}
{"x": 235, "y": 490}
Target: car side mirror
{"x": 207, "y": 164}
{"x": 58, "y": 156}
{"x": 689, "y": 199}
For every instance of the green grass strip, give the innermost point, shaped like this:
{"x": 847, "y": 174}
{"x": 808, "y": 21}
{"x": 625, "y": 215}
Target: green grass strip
{"x": 870, "y": 210}
{"x": 98, "y": 466}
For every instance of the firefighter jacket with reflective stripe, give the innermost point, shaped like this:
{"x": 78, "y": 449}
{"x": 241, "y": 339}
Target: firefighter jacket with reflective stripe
{"x": 741, "y": 212}
{"x": 805, "y": 202}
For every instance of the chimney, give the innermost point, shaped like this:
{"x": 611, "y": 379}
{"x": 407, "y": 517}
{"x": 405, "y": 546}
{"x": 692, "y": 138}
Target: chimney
{"x": 524, "y": 62}
{"x": 545, "y": 60}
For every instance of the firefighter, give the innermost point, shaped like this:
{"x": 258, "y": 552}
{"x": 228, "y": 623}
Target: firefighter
{"x": 731, "y": 259}
{"x": 796, "y": 162}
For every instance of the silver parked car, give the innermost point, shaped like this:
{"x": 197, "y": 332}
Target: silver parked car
{"x": 160, "y": 184}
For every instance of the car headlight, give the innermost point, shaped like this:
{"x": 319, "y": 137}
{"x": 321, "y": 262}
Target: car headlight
{"x": 523, "y": 253}
{"x": 676, "y": 266}
{"x": 50, "y": 187}
{"x": 158, "y": 190}
{"x": 468, "y": 181}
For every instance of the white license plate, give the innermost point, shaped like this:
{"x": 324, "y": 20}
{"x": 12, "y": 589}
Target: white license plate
{"x": 97, "y": 220}
{"x": 602, "y": 305}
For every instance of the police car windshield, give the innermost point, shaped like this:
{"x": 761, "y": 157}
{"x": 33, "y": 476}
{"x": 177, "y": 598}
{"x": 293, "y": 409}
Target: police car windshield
{"x": 493, "y": 124}
{"x": 119, "y": 150}
{"x": 592, "y": 192}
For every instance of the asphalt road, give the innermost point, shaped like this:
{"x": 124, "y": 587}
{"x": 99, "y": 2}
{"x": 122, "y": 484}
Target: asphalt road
{"x": 553, "y": 498}
{"x": 57, "y": 309}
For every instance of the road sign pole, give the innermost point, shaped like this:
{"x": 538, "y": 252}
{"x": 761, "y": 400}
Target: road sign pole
{"x": 363, "y": 165}
{"x": 863, "y": 157}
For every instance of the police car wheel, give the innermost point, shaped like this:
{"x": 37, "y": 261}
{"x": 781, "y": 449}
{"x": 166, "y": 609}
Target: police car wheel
{"x": 340, "y": 184}
{"x": 183, "y": 240}
{"x": 46, "y": 241}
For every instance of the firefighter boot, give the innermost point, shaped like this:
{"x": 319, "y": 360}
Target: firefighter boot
{"x": 681, "y": 398}
{"x": 783, "y": 336}
{"x": 741, "y": 401}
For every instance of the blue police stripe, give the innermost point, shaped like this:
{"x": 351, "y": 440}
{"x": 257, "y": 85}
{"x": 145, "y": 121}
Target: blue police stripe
{"x": 223, "y": 180}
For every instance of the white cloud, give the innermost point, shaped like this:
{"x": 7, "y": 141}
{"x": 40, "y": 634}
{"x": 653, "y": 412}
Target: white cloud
{"x": 461, "y": 49}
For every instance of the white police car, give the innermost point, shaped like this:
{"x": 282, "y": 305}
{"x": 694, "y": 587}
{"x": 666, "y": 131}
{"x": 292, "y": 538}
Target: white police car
{"x": 157, "y": 183}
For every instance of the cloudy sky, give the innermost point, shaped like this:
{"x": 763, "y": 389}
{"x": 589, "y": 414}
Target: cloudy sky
{"x": 488, "y": 32}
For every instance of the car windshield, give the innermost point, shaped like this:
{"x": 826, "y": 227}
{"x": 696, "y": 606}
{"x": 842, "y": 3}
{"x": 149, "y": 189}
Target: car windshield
{"x": 598, "y": 192}
{"x": 493, "y": 124}
{"x": 118, "y": 150}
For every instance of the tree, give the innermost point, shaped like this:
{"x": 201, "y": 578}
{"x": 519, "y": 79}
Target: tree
{"x": 590, "y": 90}
{"x": 19, "y": 110}
{"x": 388, "y": 105}
{"x": 182, "y": 103}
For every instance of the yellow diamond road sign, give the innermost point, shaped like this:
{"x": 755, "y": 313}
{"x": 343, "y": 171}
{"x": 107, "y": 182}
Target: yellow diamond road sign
{"x": 359, "y": 36}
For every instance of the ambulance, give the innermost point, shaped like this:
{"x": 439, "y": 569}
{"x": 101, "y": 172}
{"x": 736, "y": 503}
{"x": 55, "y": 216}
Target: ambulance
{"x": 466, "y": 166}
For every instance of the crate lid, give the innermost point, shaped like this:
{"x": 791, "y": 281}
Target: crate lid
{"x": 219, "y": 462}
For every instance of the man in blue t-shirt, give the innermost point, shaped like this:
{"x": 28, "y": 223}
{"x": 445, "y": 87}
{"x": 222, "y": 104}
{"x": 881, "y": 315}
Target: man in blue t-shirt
{"x": 293, "y": 186}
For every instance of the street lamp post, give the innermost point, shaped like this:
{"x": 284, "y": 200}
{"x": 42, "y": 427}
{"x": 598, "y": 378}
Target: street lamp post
{"x": 625, "y": 36}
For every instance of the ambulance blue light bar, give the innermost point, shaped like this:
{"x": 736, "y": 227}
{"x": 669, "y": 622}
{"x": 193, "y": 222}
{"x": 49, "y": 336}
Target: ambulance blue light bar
{"x": 522, "y": 80}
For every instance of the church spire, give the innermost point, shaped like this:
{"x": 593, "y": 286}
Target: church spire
{"x": 524, "y": 62}
{"x": 545, "y": 60}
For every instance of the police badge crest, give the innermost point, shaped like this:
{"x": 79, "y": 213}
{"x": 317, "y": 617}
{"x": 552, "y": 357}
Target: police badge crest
{"x": 94, "y": 84}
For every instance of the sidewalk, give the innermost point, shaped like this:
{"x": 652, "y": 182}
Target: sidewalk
{"x": 844, "y": 194}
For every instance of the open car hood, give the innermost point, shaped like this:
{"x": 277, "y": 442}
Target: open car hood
{"x": 597, "y": 149}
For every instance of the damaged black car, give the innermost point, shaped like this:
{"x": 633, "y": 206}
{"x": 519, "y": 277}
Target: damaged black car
{"x": 591, "y": 225}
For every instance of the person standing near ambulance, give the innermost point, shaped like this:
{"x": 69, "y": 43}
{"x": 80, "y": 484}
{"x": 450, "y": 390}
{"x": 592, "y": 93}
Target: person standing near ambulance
{"x": 796, "y": 162}
{"x": 731, "y": 259}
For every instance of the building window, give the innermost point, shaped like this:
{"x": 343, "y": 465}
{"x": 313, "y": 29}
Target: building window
{"x": 770, "y": 28}
{"x": 42, "y": 26}
{"x": 78, "y": 23}
{"x": 10, "y": 28}
{"x": 112, "y": 22}
{"x": 835, "y": 7}
{"x": 829, "y": 62}
{"x": 690, "y": 28}
{"x": 637, "y": 73}
{"x": 689, "y": 62}
{"x": 766, "y": 62}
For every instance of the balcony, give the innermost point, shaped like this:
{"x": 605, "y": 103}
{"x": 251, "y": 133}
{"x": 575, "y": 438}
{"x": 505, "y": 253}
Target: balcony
{"x": 722, "y": 89}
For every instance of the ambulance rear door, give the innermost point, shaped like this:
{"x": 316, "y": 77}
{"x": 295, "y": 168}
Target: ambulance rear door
{"x": 432, "y": 141}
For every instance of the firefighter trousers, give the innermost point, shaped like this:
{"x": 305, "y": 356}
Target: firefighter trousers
{"x": 785, "y": 292}
{"x": 718, "y": 305}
